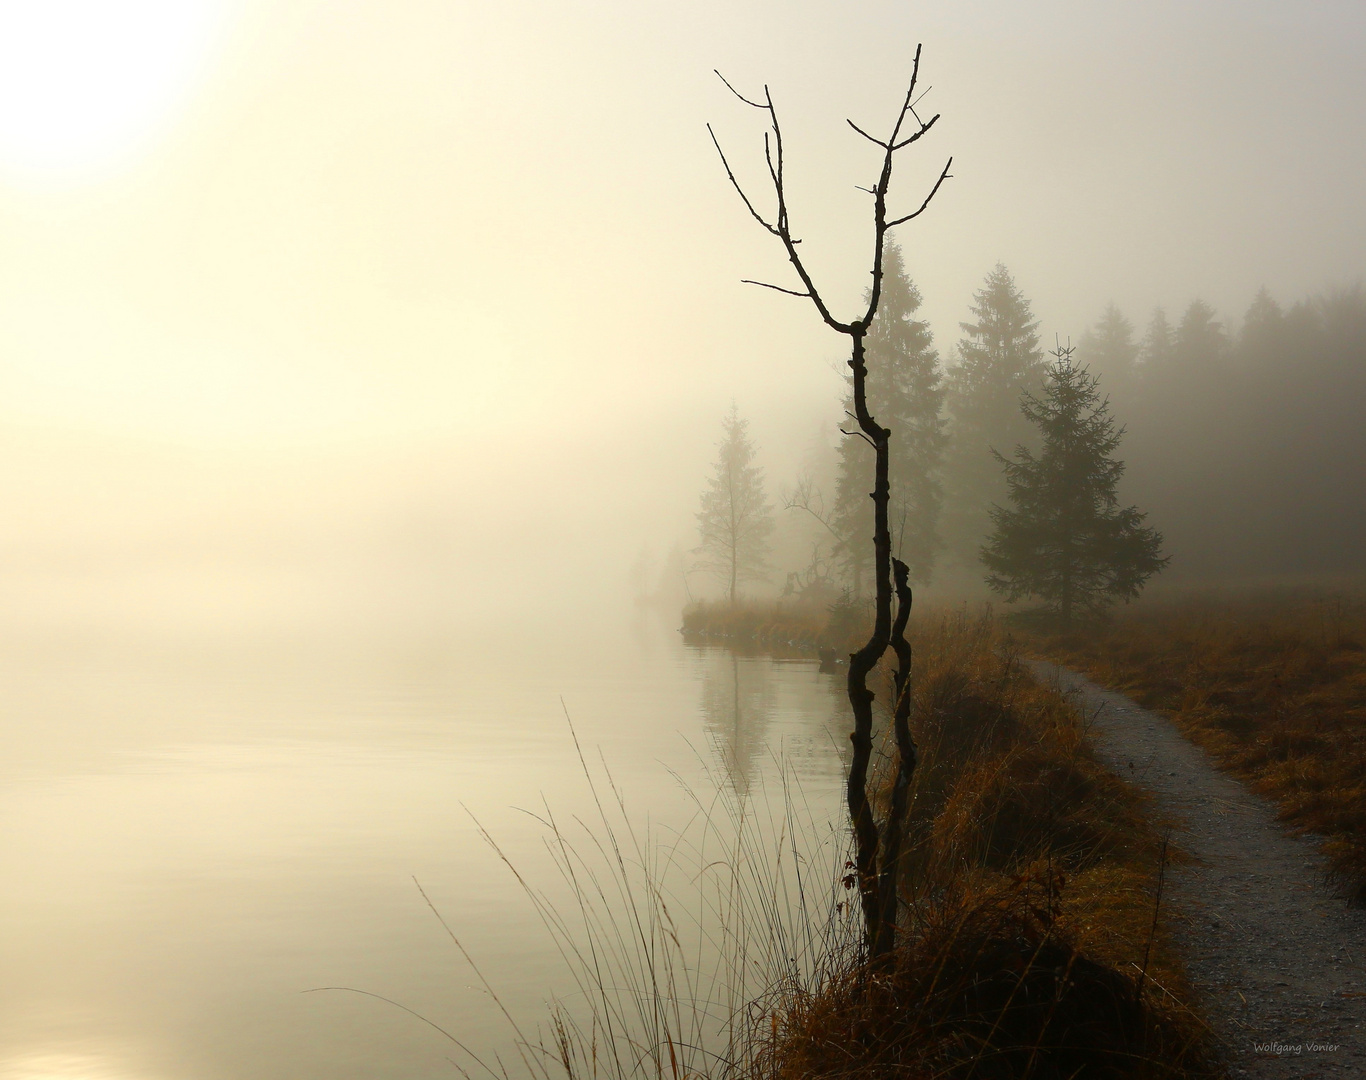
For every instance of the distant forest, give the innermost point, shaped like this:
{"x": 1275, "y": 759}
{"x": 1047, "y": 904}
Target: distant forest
{"x": 1245, "y": 445}
{"x": 1247, "y": 449}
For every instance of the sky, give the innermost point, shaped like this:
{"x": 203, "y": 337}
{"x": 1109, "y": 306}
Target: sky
{"x": 442, "y": 292}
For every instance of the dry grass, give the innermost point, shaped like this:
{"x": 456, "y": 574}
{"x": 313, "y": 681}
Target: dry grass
{"x": 1031, "y": 947}
{"x": 1271, "y": 683}
{"x": 989, "y": 985}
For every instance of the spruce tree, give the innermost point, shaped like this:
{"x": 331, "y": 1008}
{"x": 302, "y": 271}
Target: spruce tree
{"x": 1197, "y": 368}
{"x": 1200, "y": 338}
{"x": 1262, "y": 340}
{"x": 1109, "y": 351}
{"x": 904, "y": 392}
{"x": 1065, "y": 538}
{"x": 1264, "y": 319}
{"x": 998, "y": 357}
{"x": 1159, "y": 342}
{"x": 736, "y": 519}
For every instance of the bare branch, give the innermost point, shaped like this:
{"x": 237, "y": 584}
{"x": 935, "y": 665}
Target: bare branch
{"x": 924, "y": 127}
{"x": 875, "y": 142}
{"x": 861, "y": 435}
{"x": 884, "y": 181}
{"x": 756, "y": 104}
{"x": 942, "y": 177}
{"x": 775, "y": 173}
{"x": 916, "y": 102}
{"x": 736, "y": 184}
{"x": 803, "y": 494}
{"x": 906, "y": 102}
{"x": 778, "y": 142}
{"x": 803, "y": 497}
{"x": 773, "y": 158}
{"x": 775, "y": 288}
{"x": 797, "y": 264}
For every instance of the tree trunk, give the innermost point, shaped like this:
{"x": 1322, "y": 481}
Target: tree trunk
{"x": 862, "y": 662}
{"x": 893, "y": 830}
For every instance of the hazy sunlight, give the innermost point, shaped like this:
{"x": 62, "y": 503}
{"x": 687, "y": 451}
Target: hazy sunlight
{"x": 83, "y": 83}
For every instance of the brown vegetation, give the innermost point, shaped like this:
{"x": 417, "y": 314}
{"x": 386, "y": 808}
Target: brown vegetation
{"x": 780, "y": 628}
{"x": 1032, "y": 942}
{"x": 1272, "y": 684}
{"x": 1030, "y": 876}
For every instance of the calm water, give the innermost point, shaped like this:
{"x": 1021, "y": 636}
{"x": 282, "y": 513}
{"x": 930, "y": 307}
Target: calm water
{"x": 198, "y": 829}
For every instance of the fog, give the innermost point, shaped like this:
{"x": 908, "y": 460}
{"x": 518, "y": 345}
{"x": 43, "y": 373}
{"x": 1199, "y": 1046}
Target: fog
{"x": 362, "y": 366}
{"x": 433, "y": 311}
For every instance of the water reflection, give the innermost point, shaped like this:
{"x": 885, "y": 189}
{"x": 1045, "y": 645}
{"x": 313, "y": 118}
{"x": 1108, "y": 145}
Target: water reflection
{"x": 763, "y": 715}
{"x": 737, "y": 700}
{"x": 197, "y": 832}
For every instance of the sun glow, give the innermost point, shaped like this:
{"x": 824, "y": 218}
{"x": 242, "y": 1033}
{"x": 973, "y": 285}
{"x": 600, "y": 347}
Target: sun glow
{"x": 59, "y": 1066}
{"x": 84, "y": 83}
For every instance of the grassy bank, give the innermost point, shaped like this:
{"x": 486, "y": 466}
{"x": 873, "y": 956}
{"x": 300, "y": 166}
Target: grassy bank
{"x": 1033, "y": 943}
{"x": 1271, "y": 683}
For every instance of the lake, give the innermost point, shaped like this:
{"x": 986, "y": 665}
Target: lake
{"x": 199, "y": 828}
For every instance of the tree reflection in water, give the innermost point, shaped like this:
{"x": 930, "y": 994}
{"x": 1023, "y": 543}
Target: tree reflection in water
{"x": 737, "y": 699}
{"x": 757, "y": 709}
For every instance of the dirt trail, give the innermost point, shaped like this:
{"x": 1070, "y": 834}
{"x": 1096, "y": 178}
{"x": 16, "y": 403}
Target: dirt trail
{"x": 1279, "y": 958}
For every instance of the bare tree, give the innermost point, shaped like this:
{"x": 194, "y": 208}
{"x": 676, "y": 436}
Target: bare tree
{"x": 875, "y": 871}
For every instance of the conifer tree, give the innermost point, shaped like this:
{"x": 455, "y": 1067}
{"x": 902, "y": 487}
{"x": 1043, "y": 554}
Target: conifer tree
{"x": 1262, "y": 340}
{"x": 1263, "y": 319}
{"x": 736, "y": 518}
{"x": 1065, "y": 538}
{"x": 904, "y": 391}
{"x": 1159, "y": 342}
{"x": 1109, "y": 351}
{"x": 998, "y": 357}
{"x": 1200, "y": 338}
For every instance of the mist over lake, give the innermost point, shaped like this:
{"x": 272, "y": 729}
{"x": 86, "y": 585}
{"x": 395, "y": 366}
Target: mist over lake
{"x": 384, "y": 385}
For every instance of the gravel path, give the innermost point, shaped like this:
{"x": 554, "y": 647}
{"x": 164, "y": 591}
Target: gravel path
{"x": 1279, "y": 959}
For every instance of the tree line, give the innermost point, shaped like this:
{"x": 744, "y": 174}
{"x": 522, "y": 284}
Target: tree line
{"x": 1248, "y": 445}
{"x": 1245, "y": 447}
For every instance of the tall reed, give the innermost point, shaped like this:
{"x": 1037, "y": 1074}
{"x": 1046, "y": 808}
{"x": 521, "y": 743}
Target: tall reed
{"x": 679, "y": 941}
